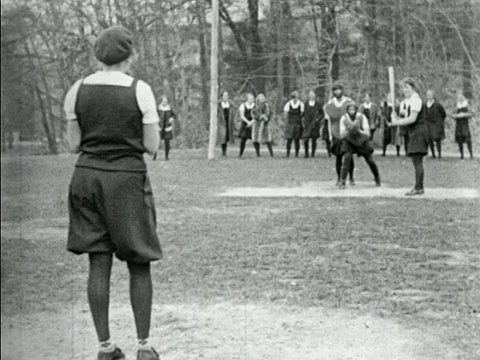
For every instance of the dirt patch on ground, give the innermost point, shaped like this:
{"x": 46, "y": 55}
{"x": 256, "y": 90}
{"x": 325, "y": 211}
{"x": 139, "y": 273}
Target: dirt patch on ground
{"x": 362, "y": 190}
{"x": 224, "y": 331}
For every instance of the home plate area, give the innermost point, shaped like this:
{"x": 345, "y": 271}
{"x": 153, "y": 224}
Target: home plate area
{"x": 361, "y": 190}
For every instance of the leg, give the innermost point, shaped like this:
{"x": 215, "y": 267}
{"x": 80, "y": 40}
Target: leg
{"x": 432, "y": 148}
{"x": 384, "y": 149}
{"x": 99, "y": 292}
{"x": 460, "y": 147}
{"x": 305, "y": 145}
{"x": 297, "y": 147}
{"x": 372, "y": 131}
{"x": 270, "y": 148}
{"x": 373, "y": 168}
{"x": 224, "y": 149}
{"x": 243, "y": 142}
{"x": 419, "y": 171}
{"x": 167, "y": 148}
{"x": 329, "y": 147}
{"x": 141, "y": 294}
{"x": 350, "y": 171}
{"x": 314, "y": 146}
{"x": 347, "y": 161}
{"x": 338, "y": 167}
{"x": 439, "y": 148}
{"x": 398, "y": 150}
{"x": 470, "y": 148}
{"x": 256, "y": 145}
{"x": 406, "y": 143}
{"x": 289, "y": 146}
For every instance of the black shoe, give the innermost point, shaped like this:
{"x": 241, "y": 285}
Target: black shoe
{"x": 342, "y": 185}
{"x": 414, "y": 192}
{"x": 116, "y": 354}
{"x": 352, "y": 182}
{"x": 148, "y": 355}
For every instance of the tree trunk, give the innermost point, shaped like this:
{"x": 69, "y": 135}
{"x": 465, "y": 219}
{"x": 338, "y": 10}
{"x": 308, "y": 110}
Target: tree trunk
{"x": 204, "y": 70}
{"x": 372, "y": 44}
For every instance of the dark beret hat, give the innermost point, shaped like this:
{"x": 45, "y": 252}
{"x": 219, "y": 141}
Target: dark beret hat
{"x": 410, "y": 81}
{"x": 336, "y": 86}
{"x": 114, "y": 45}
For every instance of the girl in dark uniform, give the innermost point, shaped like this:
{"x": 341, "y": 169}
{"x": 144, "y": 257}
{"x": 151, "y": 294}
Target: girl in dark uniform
{"x": 167, "y": 118}
{"x": 311, "y": 122}
{"x": 334, "y": 109}
{"x": 225, "y": 123}
{"x": 294, "y": 110}
{"x": 247, "y": 118}
{"x": 372, "y": 112}
{"x": 435, "y": 117}
{"x": 413, "y": 118}
{"x": 462, "y": 128}
{"x": 355, "y": 132}
{"x": 261, "y": 129}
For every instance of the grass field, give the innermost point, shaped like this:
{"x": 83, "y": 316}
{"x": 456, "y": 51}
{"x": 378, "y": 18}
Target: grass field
{"x": 411, "y": 267}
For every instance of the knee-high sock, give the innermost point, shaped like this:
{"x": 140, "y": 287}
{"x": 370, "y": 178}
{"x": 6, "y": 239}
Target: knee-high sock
{"x": 289, "y": 146}
{"x": 297, "y": 147}
{"x": 256, "y": 145}
{"x": 338, "y": 166}
{"x": 243, "y": 142}
{"x": 439, "y": 148}
{"x": 167, "y": 148}
{"x": 305, "y": 145}
{"x": 373, "y": 167}
{"x": 470, "y": 148}
{"x": 98, "y": 290}
{"x": 141, "y": 294}
{"x": 314, "y": 146}
{"x": 329, "y": 148}
{"x": 419, "y": 171}
{"x": 270, "y": 148}
{"x": 345, "y": 167}
{"x": 432, "y": 147}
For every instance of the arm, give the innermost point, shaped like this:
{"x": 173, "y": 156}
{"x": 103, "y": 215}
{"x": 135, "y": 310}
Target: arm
{"x": 397, "y": 121}
{"x": 242, "y": 114}
{"x": 74, "y": 136}
{"x": 74, "y": 133}
{"x": 365, "y": 126}
{"x": 171, "y": 121}
{"x": 151, "y": 138}
{"x": 343, "y": 127}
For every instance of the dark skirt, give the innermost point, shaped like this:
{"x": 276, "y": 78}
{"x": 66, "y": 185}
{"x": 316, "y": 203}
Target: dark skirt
{"x": 293, "y": 128}
{"x": 418, "y": 140}
{"x": 436, "y": 131}
{"x": 462, "y": 132}
{"x": 166, "y": 135}
{"x": 245, "y": 131}
{"x": 357, "y": 143}
{"x": 311, "y": 130}
{"x": 336, "y": 147}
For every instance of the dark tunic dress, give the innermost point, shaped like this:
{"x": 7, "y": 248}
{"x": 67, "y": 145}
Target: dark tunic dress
{"x": 246, "y": 131}
{"x": 165, "y": 117}
{"x": 418, "y": 138}
{"x": 311, "y": 119}
{"x": 355, "y": 142}
{"x": 435, "y": 117}
{"x": 225, "y": 124}
{"x": 335, "y": 113}
{"x": 294, "y": 128}
{"x": 462, "y": 128}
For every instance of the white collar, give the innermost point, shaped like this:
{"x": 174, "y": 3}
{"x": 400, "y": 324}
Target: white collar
{"x": 249, "y": 106}
{"x": 430, "y": 102}
{"x": 462, "y": 104}
{"x": 312, "y": 102}
{"x": 338, "y": 102}
{"x": 367, "y": 106}
{"x": 164, "y": 107}
{"x": 225, "y": 104}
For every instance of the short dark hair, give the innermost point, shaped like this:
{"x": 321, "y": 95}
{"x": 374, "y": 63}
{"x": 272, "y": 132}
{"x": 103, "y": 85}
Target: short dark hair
{"x": 410, "y": 81}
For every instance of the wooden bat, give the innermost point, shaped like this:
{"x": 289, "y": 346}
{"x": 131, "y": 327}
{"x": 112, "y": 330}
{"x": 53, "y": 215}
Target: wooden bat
{"x": 391, "y": 84}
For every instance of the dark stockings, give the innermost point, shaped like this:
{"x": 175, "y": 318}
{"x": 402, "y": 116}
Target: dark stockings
{"x": 338, "y": 167}
{"x": 347, "y": 165}
{"x": 438, "y": 143}
{"x": 224, "y": 149}
{"x": 470, "y": 149}
{"x": 167, "y": 149}
{"x": 256, "y": 145}
{"x": 306, "y": 146}
{"x": 419, "y": 171}
{"x": 328, "y": 146}
{"x": 270, "y": 148}
{"x": 243, "y": 142}
{"x": 99, "y": 294}
{"x": 141, "y": 294}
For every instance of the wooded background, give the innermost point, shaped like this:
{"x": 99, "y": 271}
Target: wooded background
{"x": 268, "y": 46}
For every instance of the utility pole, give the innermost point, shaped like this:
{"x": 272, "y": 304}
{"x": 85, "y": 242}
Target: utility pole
{"x": 213, "y": 82}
